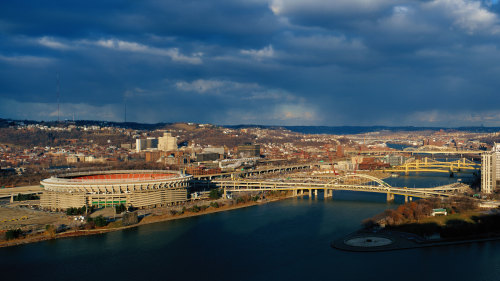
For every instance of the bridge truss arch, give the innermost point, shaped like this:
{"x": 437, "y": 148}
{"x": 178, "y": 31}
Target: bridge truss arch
{"x": 359, "y": 179}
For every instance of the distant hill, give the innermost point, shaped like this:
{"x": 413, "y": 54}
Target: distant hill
{"x": 336, "y": 130}
{"x": 347, "y": 130}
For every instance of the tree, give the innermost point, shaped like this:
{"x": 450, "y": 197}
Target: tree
{"x": 393, "y": 217}
{"x": 99, "y": 221}
{"x": 369, "y": 224}
{"x": 407, "y": 213}
{"x": 76, "y": 211}
{"x": 215, "y": 193}
{"x": 50, "y": 230}
{"x": 13, "y": 234}
{"x": 120, "y": 208}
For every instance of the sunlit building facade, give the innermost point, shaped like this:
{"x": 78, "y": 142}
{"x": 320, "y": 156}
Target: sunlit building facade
{"x": 490, "y": 169}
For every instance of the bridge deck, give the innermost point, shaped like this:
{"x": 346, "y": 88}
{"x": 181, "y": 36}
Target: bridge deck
{"x": 242, "y": 186}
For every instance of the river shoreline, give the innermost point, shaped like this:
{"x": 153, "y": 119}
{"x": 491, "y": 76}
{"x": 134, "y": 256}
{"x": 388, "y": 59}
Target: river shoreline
{"x": 145, "y": 221}
{"x": 399, "y": 241}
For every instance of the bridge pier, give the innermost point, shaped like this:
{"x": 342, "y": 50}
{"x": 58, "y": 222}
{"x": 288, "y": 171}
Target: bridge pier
{"x": 12, "y": 198}
{"x": 328, "y": 193}
{"x": 315, "y": 193}
{"x": 408, "y": 198}
{"x": 390, "y": 197}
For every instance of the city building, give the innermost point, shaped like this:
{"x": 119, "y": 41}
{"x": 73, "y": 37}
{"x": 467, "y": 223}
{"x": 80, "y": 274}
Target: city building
{"x": 146, "y": 144}
{"x": 249, "y": 150}
{"x": 167, "y": 142}
{"x": 151, "y": 143}
{"x": 207, "y": 156}
{"x": 490, "y": 169}
{"x": 140, "y": 145}
{"x": 220, "y": 150}
{"x": 340, "y": 151}
{"x": 394, "y": 159}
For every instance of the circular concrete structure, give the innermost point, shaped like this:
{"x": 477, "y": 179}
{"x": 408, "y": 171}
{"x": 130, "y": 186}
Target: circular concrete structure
{"x": 137, "y": 188}
{"x": 368, "y": 241}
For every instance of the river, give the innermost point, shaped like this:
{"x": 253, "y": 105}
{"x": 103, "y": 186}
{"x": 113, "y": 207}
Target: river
{"x": 284, "y": 240}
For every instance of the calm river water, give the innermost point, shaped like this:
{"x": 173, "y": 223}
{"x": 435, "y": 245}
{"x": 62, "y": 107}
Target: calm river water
{"x": 286, "y": 240}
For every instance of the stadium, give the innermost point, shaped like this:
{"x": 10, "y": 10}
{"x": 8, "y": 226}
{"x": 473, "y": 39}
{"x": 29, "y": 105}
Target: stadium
{"x": 133, "y": 188}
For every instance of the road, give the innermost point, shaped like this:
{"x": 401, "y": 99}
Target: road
{"x": 6, "y": 192}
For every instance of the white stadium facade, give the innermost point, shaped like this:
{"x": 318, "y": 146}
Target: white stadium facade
{"x": 132, "y": 188}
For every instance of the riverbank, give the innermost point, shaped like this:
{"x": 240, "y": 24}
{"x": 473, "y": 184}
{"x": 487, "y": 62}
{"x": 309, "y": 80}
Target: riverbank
{"x": 365, "y": 241}
{"x": 150, "y": 219}
{"x": 417, "y": 225}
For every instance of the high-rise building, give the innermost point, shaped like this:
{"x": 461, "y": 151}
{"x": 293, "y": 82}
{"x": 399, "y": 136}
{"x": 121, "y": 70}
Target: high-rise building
{"x": 488, "y": 172}
{"x": 151, "y": 143}
{"x": 167, "y": 142}
{"x": 496, "y": 151}
{"x": 490, "y": 169}
{"x": 145, "y": 144}
{"x": 340, "y": 151}
{"x": 140, "y": 145}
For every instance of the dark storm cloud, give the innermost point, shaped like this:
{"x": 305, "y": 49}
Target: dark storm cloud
{"x": 343, "y": 62}
{"x": 203, "y": 20}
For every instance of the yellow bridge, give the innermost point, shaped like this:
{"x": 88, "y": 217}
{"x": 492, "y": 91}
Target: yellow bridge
{"x": 431, "y": 165}
{"x": 352, "y": 182}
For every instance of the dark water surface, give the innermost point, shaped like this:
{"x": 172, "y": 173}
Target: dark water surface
{"x": 286, "y": 240}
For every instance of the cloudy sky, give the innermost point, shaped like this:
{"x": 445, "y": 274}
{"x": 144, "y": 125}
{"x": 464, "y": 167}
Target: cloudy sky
{"x": 274, "y": 62}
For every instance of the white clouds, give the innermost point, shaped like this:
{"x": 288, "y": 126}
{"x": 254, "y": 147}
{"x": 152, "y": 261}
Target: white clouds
{"x": 470, "y": 16}
{"x": 266, "y": 52}
{"x": 251, "y": 102}
{"x": 400, "y": 10}
{"x": 243, "y": 103}
{"x": 52, "y": 43}
{"x": 285, "y": 7}
{"x": 337, "y": 59}
{"x": 406, "y": 21}
{"x": 173, "y": 53}
{"x": 121, "y": 45}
